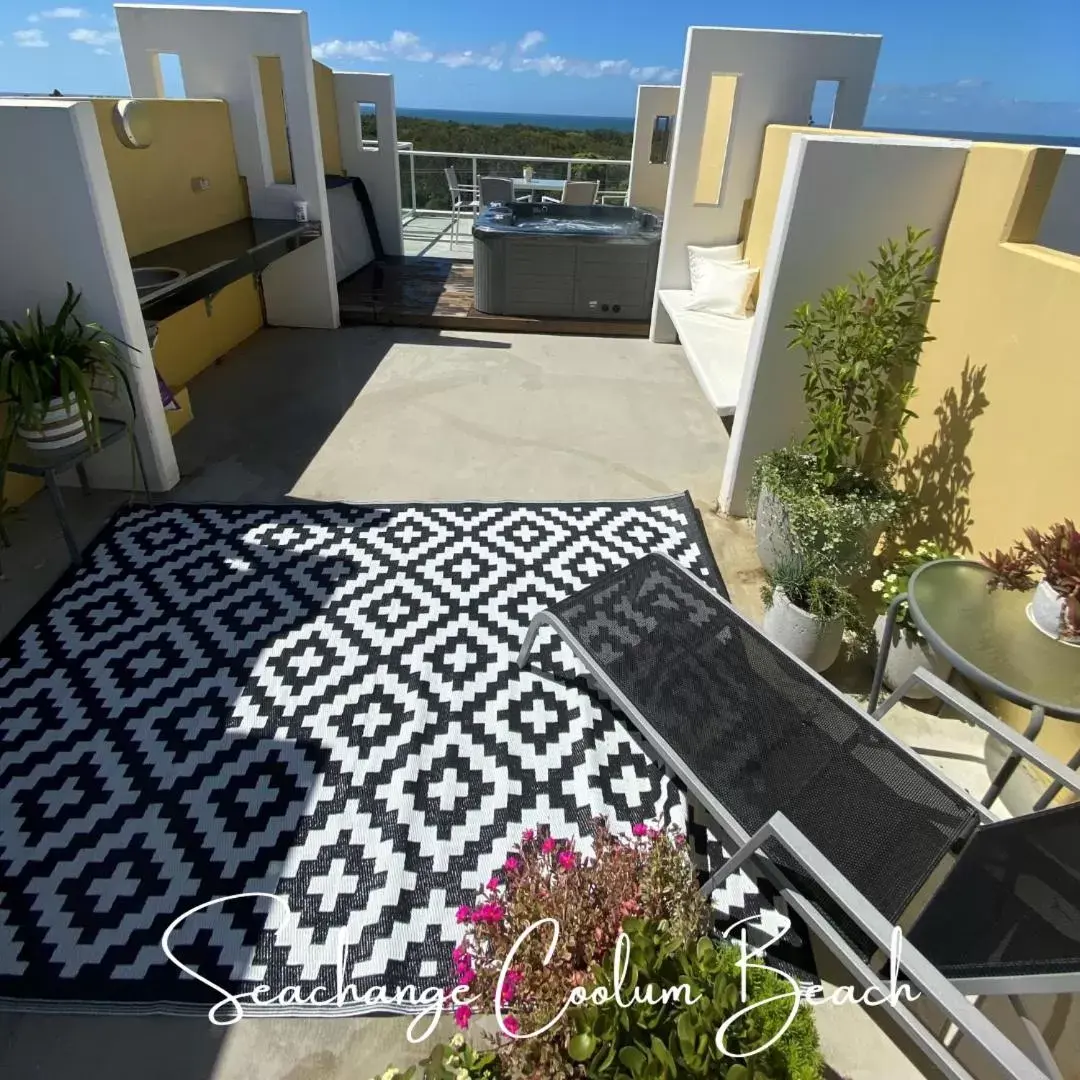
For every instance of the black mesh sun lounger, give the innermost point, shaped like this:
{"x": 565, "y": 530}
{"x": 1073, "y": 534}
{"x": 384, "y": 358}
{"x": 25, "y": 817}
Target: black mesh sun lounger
{"x": 850, "y": 823}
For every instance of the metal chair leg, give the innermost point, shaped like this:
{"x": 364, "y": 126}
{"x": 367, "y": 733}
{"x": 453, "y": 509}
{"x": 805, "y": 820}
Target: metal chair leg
{"x": 883, "y": 651}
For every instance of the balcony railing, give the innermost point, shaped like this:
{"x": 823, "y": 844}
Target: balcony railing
{"x": 424, "y": 187}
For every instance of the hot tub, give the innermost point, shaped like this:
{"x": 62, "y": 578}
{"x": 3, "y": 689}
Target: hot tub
{"x": 572, "y": 262}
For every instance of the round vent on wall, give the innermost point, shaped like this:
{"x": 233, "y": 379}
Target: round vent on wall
{"x": 132, "y": 122}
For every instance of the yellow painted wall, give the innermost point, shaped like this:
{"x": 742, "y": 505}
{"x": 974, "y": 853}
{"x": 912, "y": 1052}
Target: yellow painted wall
{"x": 326, "y": 104}
{"x": 153, "y": 186}
{"x": 714, "y": 139}
{"x": 994, "y": 446}
{"x": 191, "y": 340}
{"x": 273, "y": 98}
{"x": 158, "y": 206}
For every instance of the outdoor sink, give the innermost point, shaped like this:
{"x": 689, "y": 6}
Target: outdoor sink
{"x": 149, "y": 279}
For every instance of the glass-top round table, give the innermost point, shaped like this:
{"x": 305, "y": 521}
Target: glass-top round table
{"x": 987, "y": 637}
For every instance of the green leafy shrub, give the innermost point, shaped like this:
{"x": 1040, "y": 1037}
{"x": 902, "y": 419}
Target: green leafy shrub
{"x": 646, "y": 1041}
{"x": 894, "y": 579}
{"x": 862, "y": 343}
{"x": 810, "y": 582}
{"x": 835, "y": 523}
{"x": 456, "y": 1060}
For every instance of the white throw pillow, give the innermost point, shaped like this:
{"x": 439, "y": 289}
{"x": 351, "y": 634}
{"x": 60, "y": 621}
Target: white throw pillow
{"x": 703, "y": 259}
{"x": 729, "y": 291}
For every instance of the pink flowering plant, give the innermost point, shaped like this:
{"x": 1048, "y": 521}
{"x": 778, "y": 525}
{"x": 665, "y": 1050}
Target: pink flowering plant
{"x": 647, "y": 875}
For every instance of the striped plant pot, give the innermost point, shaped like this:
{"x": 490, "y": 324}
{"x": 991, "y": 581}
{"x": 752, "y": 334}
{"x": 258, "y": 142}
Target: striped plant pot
{"x": 61, "y": 426}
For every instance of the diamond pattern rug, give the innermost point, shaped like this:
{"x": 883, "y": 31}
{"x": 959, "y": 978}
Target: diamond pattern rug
{"x": 315, "y": 702}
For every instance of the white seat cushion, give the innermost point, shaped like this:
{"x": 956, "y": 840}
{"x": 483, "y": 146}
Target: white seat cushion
{"x": 715, "y": 345}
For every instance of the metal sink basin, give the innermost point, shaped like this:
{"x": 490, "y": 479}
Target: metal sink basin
{"x": 149, "y": 279}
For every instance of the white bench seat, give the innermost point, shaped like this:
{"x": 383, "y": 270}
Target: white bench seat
{"x": 716, "y": 346}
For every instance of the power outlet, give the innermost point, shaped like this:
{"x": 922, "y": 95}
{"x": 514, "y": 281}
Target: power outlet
{"x": 199, "y": 183}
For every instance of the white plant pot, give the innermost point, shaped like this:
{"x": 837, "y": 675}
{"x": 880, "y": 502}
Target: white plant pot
{"x": 908, "y": 652}
{"x": 1047, "y": 611}
{"x": 61, "y": 426}
{"x": 815, "y": 642}
{"x": 772, "y": 530}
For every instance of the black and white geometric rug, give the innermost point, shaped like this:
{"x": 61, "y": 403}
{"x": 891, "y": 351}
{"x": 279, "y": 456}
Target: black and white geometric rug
{"x": 315, "y": 702}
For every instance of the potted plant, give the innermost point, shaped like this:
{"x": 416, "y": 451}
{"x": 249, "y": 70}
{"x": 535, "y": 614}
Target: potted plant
{"x": 1055, "y": 555}
{"x": 49, "y": 373}
{"x": 909, "y": 649}
{"x": 832, "y": 490}
{"x": 807, "y": 608}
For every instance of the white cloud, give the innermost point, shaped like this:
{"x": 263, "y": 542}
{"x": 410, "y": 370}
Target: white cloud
{"x": 33, "y": 18}
{"x": 405, "y": 45}
{"x": 66, "y": 13}
{"x": 97, "y": 38}
{"x": 468, "y": 58}
{"x": 531, "y": 40}
{"x": 30, "y": 39}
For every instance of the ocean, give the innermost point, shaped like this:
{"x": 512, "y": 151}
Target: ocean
{"x": 626, "y": 123}
{"x": 548, "y": 120}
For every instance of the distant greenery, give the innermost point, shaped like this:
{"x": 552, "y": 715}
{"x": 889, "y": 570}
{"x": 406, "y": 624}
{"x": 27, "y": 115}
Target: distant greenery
{"x": 432, "y": 192}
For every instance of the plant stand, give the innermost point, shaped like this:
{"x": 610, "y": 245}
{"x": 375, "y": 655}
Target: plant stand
{"x": 49, "y": 464}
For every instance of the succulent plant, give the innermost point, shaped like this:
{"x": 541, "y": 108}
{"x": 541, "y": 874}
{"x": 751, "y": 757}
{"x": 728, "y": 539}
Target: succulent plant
{"x": 1056, "y": 554}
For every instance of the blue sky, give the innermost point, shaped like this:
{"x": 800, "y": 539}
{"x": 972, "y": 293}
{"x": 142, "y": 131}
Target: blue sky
{"x": 987, "y": 65}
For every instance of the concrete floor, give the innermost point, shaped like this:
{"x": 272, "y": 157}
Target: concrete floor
{"x": 388, "y": 414}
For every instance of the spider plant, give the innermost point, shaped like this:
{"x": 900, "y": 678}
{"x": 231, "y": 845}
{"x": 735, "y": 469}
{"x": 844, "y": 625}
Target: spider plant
{"x": 64, "y": 359}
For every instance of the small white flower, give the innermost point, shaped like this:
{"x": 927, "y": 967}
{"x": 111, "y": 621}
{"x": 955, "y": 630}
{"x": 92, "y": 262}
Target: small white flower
{"x": 457, "y": 1042}
{"x": 877, "y": 586}
{"x": 461, "y": 1074}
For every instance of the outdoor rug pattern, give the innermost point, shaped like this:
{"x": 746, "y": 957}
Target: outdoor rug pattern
{"x": 316, "y": 702}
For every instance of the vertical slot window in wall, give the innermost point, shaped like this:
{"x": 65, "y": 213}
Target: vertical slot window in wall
{"x": 170, "y": 76}
{"x": 272, "y": 87}
{"x": 714, "y": 138}
{"x": 660, "y": 144}
{"x": 823, "y": 104}
{"x": 367, "y": 119}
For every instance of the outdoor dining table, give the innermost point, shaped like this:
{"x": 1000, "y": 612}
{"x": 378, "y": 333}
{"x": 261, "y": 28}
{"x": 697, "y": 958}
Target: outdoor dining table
{"x": 988, "y": 638}
{"x": 537, "y": 187}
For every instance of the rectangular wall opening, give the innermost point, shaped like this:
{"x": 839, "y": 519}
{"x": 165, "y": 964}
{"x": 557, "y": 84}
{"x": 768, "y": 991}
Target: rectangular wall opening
{"x": 823, "y": 105}
{"x": 272, "y": 87}
{"x": 170, "y": 77}
{"x": 367, "y": 120}
{"x": 660, "y": 145}
{"x": 714, "y": 138}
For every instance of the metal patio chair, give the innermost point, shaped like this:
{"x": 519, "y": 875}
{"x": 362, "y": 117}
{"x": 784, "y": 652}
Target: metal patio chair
{"x": 848, "y": 822}
{"x": 464, "y": 199}
{"x": 496, "y": 189}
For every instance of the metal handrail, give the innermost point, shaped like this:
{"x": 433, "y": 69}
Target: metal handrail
{"x": 569, "y": 162}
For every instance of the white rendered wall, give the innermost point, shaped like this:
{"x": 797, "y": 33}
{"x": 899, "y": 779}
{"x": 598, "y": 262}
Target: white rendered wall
{"x": 649, "y": 182}
{"x": 1060, "y": 227}
{"x": 840, "y": 198}
{"x": 377, "y": 167}
{"x": 777, "y": 73}
{"x": 64, "y": 226}
{"x": 218, "y": 50}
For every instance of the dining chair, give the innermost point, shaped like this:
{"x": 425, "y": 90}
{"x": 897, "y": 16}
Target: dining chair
{"x": 496, "y": 189}
{"x": 463, "y": 199}
{"x": 580, "y": 192}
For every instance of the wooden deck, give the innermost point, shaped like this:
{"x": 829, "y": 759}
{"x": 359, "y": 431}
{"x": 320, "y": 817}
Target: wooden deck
{"x": 412, "y": 291}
